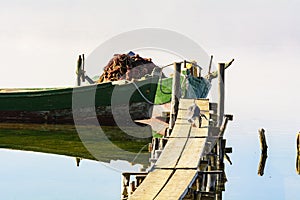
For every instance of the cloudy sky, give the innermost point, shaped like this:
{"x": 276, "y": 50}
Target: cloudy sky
{"x": 40, "y": 42}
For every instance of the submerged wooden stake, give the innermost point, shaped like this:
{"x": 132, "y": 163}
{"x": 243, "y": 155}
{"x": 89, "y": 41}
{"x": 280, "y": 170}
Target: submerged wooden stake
{"x": 263, "y": 142}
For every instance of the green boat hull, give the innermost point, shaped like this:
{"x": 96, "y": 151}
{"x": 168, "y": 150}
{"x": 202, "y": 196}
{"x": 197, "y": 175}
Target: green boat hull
{"x": 57, "y": 105}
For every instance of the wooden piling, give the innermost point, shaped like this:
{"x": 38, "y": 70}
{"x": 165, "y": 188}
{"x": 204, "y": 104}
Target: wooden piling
{"x": 221, "y": 83}
{"x": 176, "y": 94}
{"x": 298, "y": 154}
{"x": 78, "y": 70}
{"x": 298, "y": 143}
{"x": 263, "y": 142}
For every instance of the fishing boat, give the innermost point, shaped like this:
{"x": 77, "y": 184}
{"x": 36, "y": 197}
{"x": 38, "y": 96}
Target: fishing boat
{"x": 135, "y": 93}
{"x": 54, "y": 105}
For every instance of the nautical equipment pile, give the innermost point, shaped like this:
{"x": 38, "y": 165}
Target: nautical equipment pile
{"x": 126, "y": 66}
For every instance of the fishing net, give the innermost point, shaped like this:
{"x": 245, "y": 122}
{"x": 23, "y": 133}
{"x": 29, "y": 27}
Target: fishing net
{"x": 126, "y": 66}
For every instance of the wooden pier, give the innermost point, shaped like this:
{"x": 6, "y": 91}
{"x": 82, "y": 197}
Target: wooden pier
{"x": 187, "y": 164}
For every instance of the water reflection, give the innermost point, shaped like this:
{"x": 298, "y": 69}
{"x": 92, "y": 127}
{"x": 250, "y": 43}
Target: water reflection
{"x": 298, "y": 163}
{"x": 262, "y": 163}
{"x": 78, "y": 161}
{"x": 30, "y": 175}
{"x": 64, "y": 140}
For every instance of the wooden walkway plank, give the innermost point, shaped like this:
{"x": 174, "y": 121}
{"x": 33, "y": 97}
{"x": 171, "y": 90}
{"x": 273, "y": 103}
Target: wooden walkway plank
{"x": 177, "y": 186}
{"x": 176, "y": 168}
{"x": 203, "y": 104}
{"x": 185, "y": 103}
{"x": 199, "y": 132}
{"x": 191, "y": 154}
{"x": 152, "y": 185}
{"x": 181, "y": 130}
{"x": 171, "y": 153}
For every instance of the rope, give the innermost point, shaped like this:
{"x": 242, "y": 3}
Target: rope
{"x": 138, "y": 89}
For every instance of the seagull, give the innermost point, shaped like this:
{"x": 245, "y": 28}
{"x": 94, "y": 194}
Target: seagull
{"x": 194, "y": 112}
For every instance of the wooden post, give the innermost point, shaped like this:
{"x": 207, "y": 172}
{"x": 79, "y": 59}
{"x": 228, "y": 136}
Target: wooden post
{"x": 125, "y": 185}
{"x": 298, "y": 142}
{"x": 221, "y": 83}
{"x": 263, "y": 143}
{"x": 132, "y": 188}
{"x": 176, "y": 94}
{"x": 78, "y": 70}
{"x": 298, "y": 154}
{"x": 210, "y": 63}
{"x": 209, "y": 180}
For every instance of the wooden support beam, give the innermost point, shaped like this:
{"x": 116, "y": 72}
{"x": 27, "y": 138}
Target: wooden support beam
{"x": 176, "y": 94}
{"x": 211, "y": 172}
{"x": 221, "y": 83}
{"x": 228, "y": 150}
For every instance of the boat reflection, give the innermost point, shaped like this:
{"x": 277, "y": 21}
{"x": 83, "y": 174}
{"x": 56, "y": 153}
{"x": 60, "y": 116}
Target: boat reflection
{"x": 64, "y": 140}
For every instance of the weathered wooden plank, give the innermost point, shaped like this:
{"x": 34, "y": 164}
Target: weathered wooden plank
{"x": 182, "y": 122}
{"x": 191, "y": 154}
{"x": 199, "y": 132}
{"x": 152, "y": 184}
{"x": 203, "y": 104}
{"x": 171, "y": 153}
{"x": 178, "y": 185}
{"x": 181, "y": 130}
{"x": 185, "y": 103}
{"x": 182, "y": 114}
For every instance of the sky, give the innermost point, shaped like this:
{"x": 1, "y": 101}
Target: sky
{"x": 41, "y": 40}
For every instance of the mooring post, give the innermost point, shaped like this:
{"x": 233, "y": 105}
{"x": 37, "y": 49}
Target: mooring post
{"x": 298, "y": 143}
{"x": 78, "y": 70}
{"x": 263, "y": 142}
{"x": 176, "y": 94}
{"x": 298, "y": 154}
{"x": 221, "y": 83}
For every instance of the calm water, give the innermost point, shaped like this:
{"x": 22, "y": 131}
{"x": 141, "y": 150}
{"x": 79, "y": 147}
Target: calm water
{"x": 280, "y": 179}
{"x": 31, "y": 175}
